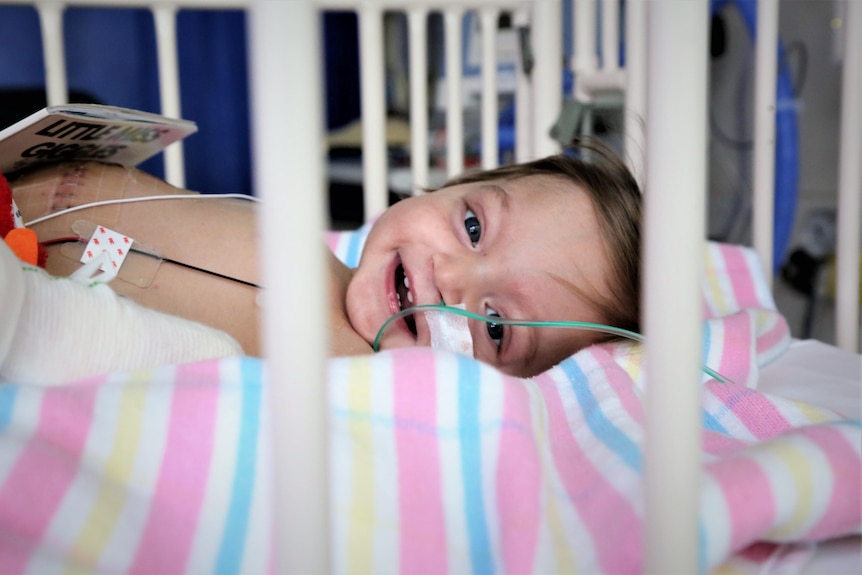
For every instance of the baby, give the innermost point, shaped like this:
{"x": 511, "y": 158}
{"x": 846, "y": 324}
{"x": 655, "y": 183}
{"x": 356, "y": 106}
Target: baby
{"x": 554, "y": 239}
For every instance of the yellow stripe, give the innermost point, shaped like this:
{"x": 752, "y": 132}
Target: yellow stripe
{"x": 360, "y": 558}
{"x": 111, "y": 499}
{"x": 811, "y": 413}
{"x": 733, "y": 570}
{"x": 634, "y": 363}
{"x": 800, "y": 467}
{"x": 713, "y": 282}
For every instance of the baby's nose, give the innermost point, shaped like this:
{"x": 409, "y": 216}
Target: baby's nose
{"x": 457, "y": 277}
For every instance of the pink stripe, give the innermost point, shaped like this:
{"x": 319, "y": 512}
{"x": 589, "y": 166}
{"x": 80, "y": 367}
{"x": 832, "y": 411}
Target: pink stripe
{"x": 842, "y": 514}
{"x": 36, "y": 485}
{"x": 613, "y": 524}
{"x": 423, "y": 528}
{"x": 179, "y": 491}
{"x": 754, "y": 410}
{"x": 332, "y": 239}
{"x": 519, "y": 481}
{"x": 736, "y": 347}
{"x": 740, "y": 276}
{"x": 746, "y": 489}
{"x": 777, "y": 335}
{"x": 716, "y": 443}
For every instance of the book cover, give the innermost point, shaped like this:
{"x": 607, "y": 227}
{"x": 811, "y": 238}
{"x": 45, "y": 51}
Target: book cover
{"x": 79, "y": 132}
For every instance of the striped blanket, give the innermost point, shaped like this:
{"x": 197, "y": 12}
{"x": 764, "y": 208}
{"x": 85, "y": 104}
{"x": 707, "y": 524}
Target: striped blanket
{"x": 440, "y": 464}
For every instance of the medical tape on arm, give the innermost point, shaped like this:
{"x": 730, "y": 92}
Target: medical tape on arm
{"x": 137, "y": 267}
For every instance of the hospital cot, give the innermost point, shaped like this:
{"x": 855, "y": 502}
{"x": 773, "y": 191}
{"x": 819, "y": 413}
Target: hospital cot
{"x": 664, "y": 82}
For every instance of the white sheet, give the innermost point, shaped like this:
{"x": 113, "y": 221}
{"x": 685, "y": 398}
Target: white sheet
{"x": 819, "y": 374}
{"x": 824, "y": 375}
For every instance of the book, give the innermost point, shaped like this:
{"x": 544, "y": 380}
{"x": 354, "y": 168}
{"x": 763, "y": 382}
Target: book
{"x": 80, "y": 132}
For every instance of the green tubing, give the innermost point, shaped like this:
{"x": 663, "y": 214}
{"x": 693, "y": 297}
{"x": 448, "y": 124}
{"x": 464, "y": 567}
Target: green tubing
{"x": 527, "y": 323}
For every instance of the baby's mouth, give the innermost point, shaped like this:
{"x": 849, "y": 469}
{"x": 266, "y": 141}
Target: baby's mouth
{"x": 405, "y": 296}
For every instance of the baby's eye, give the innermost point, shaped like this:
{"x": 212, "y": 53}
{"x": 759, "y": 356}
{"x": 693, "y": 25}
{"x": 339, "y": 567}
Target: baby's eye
{"x": 473, "y": 227}
{"x": 495, "y": 330}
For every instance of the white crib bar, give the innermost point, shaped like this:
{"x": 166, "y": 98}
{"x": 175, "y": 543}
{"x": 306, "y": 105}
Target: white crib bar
{"x": 289, "y": 177}
{"x": 635, "y": 88}
{"x": 547, "y": 79}
{"x": 165, "y": 19}
{"x": 375, "y": 191}
{"x": 610, "y": 34}
{"x": 523, "y": 96}
{"x": 675, "y": 103}
{"x": 51, "y": 23}
{"x": 452, "y": 24}
{"x": 594, "y": 76}
{"x": 584, "y": 59}
{"x": 850, "y": 184}
{"x": 490, "y": 139}
{"x": 766, "y": 57}
{"x": 675, "y": 192}
{"x": 417, "y": 22}
{"x": 585, "y": 62}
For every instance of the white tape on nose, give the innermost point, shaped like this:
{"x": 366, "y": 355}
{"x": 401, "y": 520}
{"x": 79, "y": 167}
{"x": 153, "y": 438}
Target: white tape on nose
{"x": 450, "y": 331}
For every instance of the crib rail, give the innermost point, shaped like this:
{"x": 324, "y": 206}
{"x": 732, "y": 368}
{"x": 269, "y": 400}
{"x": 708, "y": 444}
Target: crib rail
{"x": 370, "y": 15}
{"x": 850, "y": 185}
{"x": 300, "y": 420}
{"x": 677, "y": 115}
{"x": 537, "y": 105}
{"x": 300, "y": 412}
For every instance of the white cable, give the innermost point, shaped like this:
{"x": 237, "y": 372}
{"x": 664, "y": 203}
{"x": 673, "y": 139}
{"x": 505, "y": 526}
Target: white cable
{"x": 140, "y": 199}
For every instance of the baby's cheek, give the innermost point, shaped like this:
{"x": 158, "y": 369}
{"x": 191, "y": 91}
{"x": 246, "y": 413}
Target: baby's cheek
{"x": 357, "y": 308}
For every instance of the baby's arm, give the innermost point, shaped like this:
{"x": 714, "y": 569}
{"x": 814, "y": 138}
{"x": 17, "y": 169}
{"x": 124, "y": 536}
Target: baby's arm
{"x": 213, "y": 234}
{"x": 58, "y": 330}
{"x": 217, "y": 235}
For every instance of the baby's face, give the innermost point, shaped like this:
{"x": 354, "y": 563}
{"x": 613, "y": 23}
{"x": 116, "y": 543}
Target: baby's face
{"x": 528, "y": 248}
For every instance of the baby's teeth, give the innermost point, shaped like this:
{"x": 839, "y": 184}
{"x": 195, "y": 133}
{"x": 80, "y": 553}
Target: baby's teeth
{"x": 410, "y": 296}
{"x": 406, "y": 282}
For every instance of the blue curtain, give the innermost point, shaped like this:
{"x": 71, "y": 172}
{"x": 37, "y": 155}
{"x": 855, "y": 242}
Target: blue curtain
{"x": 111, "y": 57}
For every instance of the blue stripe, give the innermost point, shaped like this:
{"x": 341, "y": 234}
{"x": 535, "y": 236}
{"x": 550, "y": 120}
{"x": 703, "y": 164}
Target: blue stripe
{"x": 707, "y": 340}
{"x": 8, "y": 393}
{"x": 712, "y": 424}
{"x": 601, "y": 426}
{"x": 236, "y": 527}
{"x": 354, "y": 247}
{"x": 471, "y": 465}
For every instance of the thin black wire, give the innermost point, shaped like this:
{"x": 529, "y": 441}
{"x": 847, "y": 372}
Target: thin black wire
{"x": 167, "y": 260}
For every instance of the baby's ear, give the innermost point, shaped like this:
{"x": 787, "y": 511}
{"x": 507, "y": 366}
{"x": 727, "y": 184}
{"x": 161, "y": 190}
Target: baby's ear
{"x": 59, "y": 330}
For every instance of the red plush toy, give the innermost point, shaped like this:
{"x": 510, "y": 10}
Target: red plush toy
{"x": 21, "y": 240}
